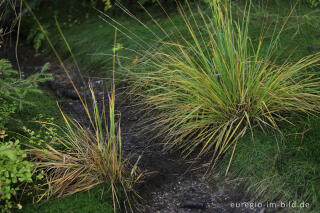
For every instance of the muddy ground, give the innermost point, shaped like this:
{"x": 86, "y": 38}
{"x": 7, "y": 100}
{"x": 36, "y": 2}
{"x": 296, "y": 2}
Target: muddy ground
{"x": 172, "y": 186}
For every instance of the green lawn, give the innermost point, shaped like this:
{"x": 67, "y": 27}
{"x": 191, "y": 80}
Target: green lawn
{"x": 85, "y": 202}
{"x": 281, "y": 169}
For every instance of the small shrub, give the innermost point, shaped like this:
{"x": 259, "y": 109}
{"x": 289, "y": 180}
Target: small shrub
{"x": 14, "y": 170}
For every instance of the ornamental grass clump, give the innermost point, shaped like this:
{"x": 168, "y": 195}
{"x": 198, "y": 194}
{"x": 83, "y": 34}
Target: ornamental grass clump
{"x": 87, "y": 158}
{"x": 210, "y": 84}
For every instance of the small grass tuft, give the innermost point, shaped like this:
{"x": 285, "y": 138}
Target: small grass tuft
{"x": 90, "y": 155}
{"x": 88, "y": 158}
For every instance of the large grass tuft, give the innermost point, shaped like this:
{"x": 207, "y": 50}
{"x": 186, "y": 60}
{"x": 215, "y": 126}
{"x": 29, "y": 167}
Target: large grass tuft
{"x": 210, "y": 85}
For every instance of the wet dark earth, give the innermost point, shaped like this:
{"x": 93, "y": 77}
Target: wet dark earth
{"x": 171, "y": 185}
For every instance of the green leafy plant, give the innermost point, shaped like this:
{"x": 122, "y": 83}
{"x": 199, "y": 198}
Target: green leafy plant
{"x": 14, "y": 170}
{"x": 107, "y": 4}
{"x": 211, "y": 85}
{"x": 36, "y": 37}
{"x": 13, "y": 89}
{"x": 7, "y": 108}
{"x": 47, "y": 132}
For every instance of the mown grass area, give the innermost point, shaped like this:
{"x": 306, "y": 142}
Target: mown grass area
{"x": 92, "y": 201}
{"x": 281, "y": 169}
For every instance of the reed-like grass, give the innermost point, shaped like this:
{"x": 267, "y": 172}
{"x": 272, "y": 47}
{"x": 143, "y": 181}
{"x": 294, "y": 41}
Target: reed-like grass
{"x": 208, "y": 84}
